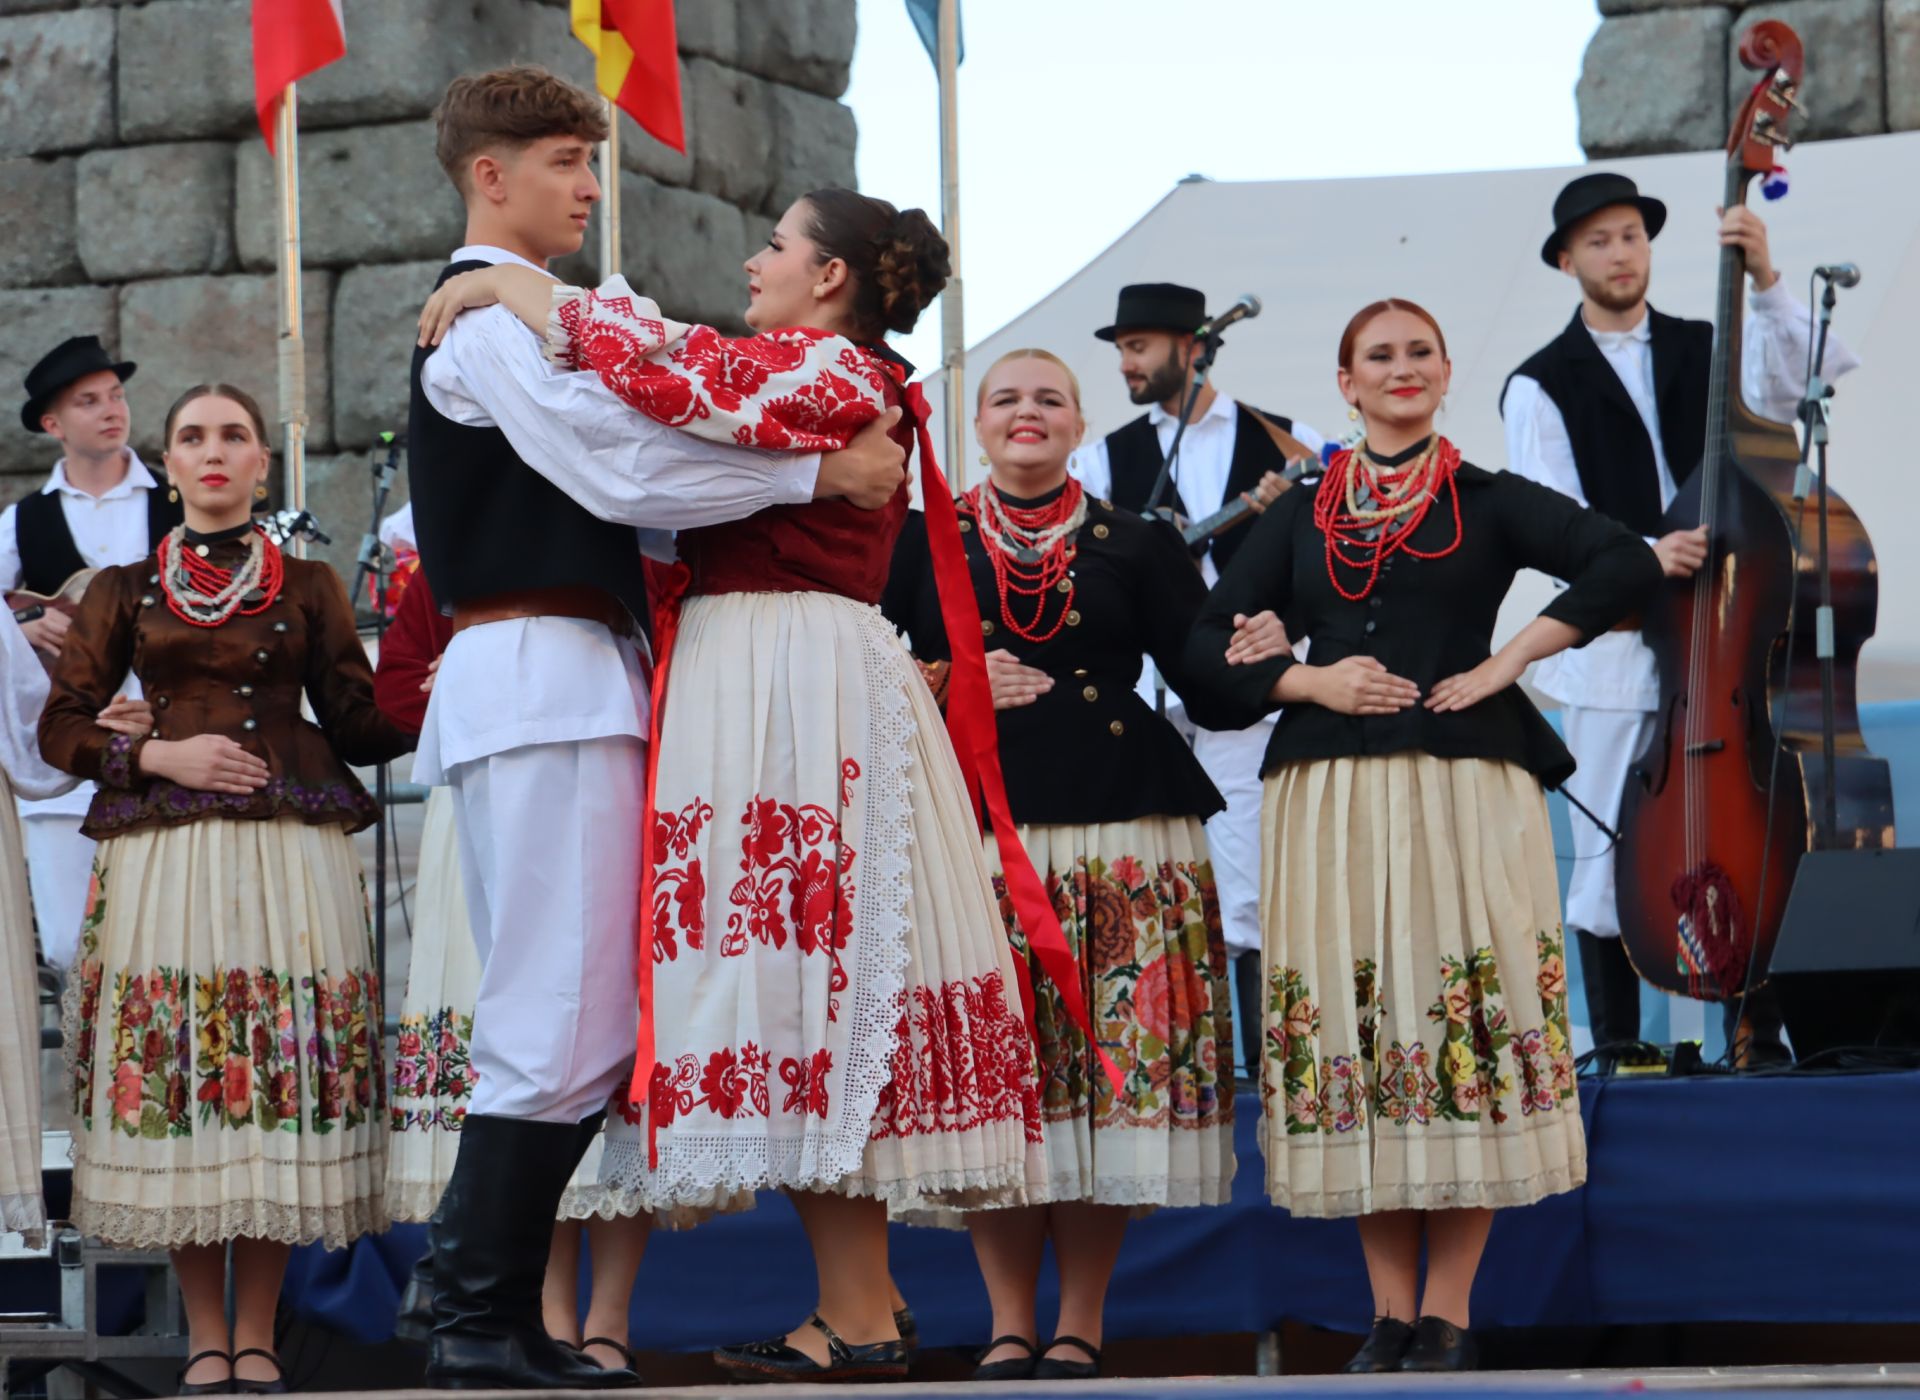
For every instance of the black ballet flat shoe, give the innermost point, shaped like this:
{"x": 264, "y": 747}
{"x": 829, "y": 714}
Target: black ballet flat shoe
{"x": 1014, "y": 1368}
{"x": 909, "y": 1330}
{"x": 1053, "y": 1368}
{"x": 1386, "y": 1345}
{"x": 1440, "y": 1346}
{"x": 223, "y": 1386}
{"x": 242, "y": 1386}
{"x": 774, "y": 1360}
{"x": 626, "y": 1355}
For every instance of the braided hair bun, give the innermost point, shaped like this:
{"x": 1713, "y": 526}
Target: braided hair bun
{"x": 897, "y": 259}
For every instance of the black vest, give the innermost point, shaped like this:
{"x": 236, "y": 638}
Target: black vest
{"x": 488, "y": 523}
{"x": 1611, "y": 448}
{"x": 48, "y": 555}
{"x": 1134, "y": 459}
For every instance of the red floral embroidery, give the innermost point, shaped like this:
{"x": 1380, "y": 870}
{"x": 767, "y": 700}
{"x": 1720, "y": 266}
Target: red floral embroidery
{"x": 733, "y": 1084}
{"x": 963, "y": 1060}
{"x": 679, "y": 884}
{"x": 797, "y": 878}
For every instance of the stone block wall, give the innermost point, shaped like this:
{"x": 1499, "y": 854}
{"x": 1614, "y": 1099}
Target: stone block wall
{"x": 1663, "y": 75}
{"x": 136, "y": 196}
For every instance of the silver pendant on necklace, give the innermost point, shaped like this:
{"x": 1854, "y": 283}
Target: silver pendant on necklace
{"x": 1027, "y": 554}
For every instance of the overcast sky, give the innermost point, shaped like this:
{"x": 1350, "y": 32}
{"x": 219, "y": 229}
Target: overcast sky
{"x": 1076, "y": 116}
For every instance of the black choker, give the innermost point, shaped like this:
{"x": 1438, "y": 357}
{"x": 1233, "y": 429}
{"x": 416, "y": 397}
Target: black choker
{"x": 233, "y": 532}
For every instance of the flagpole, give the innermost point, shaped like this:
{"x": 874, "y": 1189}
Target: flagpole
{"x": 952, "y": 308}
{"x": 292, "y": 343}
{"x": 610, "y": 194}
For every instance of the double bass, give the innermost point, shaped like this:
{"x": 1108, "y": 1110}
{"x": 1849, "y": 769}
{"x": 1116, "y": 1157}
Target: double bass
{"x": 1721, "y": 806}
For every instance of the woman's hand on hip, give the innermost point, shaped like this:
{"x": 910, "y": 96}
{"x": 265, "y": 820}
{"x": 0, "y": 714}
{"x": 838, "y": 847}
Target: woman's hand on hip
{"x": 1353, "y": 685}
{"x": 1469, "y": 688}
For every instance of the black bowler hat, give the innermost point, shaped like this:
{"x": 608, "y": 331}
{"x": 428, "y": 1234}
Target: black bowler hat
{"x": 69, "y": 360}
{"x": 1589, "y": 195}
{"x": 1157, "y": 306}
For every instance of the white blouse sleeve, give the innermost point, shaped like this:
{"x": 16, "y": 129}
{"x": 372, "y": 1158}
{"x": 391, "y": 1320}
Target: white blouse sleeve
{"x": 1089, "y": 465}
{"x": 573, "y": 430}
{"x": 1773, "y": 354}
{"x": 23, "y": 694}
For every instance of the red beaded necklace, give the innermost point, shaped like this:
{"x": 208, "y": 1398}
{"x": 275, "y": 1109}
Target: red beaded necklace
{"x": 1405, "y": 494}
{"x": 1031, "y": 550}
{"x": 206, "y": 582}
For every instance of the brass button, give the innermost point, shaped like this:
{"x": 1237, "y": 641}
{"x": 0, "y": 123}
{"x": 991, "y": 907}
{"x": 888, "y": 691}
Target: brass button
{"x": 1064, "y": 586}
{"x": 249, "y": 725}
{"x": 1092, "y": 693}
{"x": 1106, "y": 504}
{"x": 146, "y": 601}
{"x": 279, "y": 626}
{"x": 153, "y": 733}
{"x": 160, "y": 702}
{"x": 245, "y": 690}
{"x": 965, "y": 525}
{"x": 1116, "y": 729}
{"x": 1073, "y": 617}
{"x": 261, "y": 656}
{"x": 153, "y": 578}
{"x": 986, "y": 627}
{"x": 1100, "y": 532}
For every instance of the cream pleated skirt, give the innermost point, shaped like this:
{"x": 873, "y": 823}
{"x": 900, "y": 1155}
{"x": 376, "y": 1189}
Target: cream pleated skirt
{"x": 1415, "y": 1052}
{"x": 223, "y": 1031}
{"x": 834, "y": 1001}
{"x": 21, "y": 1207}
{"x": 1136, "y": 900}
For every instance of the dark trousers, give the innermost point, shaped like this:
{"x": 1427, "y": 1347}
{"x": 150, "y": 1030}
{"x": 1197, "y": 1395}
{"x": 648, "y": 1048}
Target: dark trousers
{"x": 1249, "y": 1007}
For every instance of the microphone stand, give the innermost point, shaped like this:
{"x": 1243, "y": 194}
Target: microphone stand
{"x": 1814, "y": 412}
{"x": 372, "y": 564}
{"x": 1201, "y": 366}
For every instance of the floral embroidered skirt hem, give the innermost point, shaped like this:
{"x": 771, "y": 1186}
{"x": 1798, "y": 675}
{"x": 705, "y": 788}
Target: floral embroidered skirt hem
{"x": 223, "y": 1039}
{"x": 833, "y": 1005}
{"x": 22, "y": 1210}
{"x": 1138, "y": 905}
{"x": 1416, "y": 1053}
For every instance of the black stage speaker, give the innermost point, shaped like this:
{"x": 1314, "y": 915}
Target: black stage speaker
{"x": 1847, "y": 963}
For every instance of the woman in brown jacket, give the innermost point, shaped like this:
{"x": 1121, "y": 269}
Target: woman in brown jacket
{"x": 223, "y": 1025}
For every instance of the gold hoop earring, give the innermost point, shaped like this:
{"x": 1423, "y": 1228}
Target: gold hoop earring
{"x": 1353, "y": 413}
{"x": 260, "y": 492}
{"x": 983, "y": 460}
{"x": 173, "y": 495}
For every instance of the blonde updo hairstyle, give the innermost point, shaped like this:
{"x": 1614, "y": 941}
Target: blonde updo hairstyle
{"x": 896, "y": 259}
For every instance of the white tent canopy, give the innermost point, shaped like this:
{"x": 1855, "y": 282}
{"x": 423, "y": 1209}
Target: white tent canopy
{"x": 1466, "y": 247}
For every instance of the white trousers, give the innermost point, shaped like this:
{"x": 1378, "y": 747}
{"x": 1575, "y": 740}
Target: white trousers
{"x": 1232, "y": 759}
{"x": 59, "y": 868}
{"x": 1604, "y": 743}
{"x": 550, "y": 858}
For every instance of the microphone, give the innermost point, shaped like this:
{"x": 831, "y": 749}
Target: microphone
{"x": 283, "y": 525}
{"x": 1840, "y": 274}
{"x": 1244, "y": 309}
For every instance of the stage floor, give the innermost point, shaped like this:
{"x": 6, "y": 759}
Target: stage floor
{"x": 1806, "y": 1383}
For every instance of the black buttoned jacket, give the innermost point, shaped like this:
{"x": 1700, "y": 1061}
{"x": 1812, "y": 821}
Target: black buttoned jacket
{"x": 1090, "y": 750}
{"x": 1426, "y": 619}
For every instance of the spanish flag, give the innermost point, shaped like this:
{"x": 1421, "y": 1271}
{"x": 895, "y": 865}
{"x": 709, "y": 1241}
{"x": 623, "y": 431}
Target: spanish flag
{"x": 637, "y": 61}
{"x": 291, "y": 38}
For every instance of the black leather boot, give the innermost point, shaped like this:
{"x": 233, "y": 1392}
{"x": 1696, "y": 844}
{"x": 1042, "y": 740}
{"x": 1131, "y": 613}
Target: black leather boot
{"x": 1757, "y": 1040}
{"x": 414, "y": 1323}
{"x": 1249, "y": 1006}
{"x": 490, "y": 1258}
{"x": 1613, "y": 997}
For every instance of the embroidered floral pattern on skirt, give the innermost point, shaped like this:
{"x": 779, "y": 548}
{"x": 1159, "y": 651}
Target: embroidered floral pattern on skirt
{"x": 1137, "y": 902}
{"x": 1415, "y": 1047}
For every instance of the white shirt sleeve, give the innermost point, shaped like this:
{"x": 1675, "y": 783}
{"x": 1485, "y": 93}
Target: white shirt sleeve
{"x": 577, "y": 433}
{"x": 1089, "y": 465}
{"x": 23, "y": 694}
{"x": 9, "y": 547}
{"x": 1773, "y": 354}
{"x": 1538, "y": 447}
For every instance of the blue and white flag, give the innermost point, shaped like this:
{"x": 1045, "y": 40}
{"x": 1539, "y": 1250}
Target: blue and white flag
{"x": 925, "y": 15}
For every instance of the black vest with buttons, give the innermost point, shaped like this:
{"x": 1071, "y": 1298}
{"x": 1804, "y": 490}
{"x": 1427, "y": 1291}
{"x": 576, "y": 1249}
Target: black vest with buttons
{"x": 48, "y": 555}
{"x": 487, "y": 523}
{"x": 1134, "y": 459}
{"x": 1612, "y": 449}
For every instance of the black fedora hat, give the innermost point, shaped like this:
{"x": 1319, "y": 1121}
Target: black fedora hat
{"x": 71, "y": 359}
{"x": 1589, "y": 194}
{"x": 1157, "y": 306}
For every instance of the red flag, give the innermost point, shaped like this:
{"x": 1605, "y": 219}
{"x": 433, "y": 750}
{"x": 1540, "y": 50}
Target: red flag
{"x": 637, "y": 61}
{"x": 291, "y": 38}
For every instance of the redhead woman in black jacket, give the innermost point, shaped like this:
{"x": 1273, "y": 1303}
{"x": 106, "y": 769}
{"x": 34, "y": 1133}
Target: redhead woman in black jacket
{"x": 1416, "y": 1066}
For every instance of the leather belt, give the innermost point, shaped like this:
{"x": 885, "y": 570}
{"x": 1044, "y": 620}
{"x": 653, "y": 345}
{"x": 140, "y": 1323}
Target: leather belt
{"x": 578, "y": 601}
